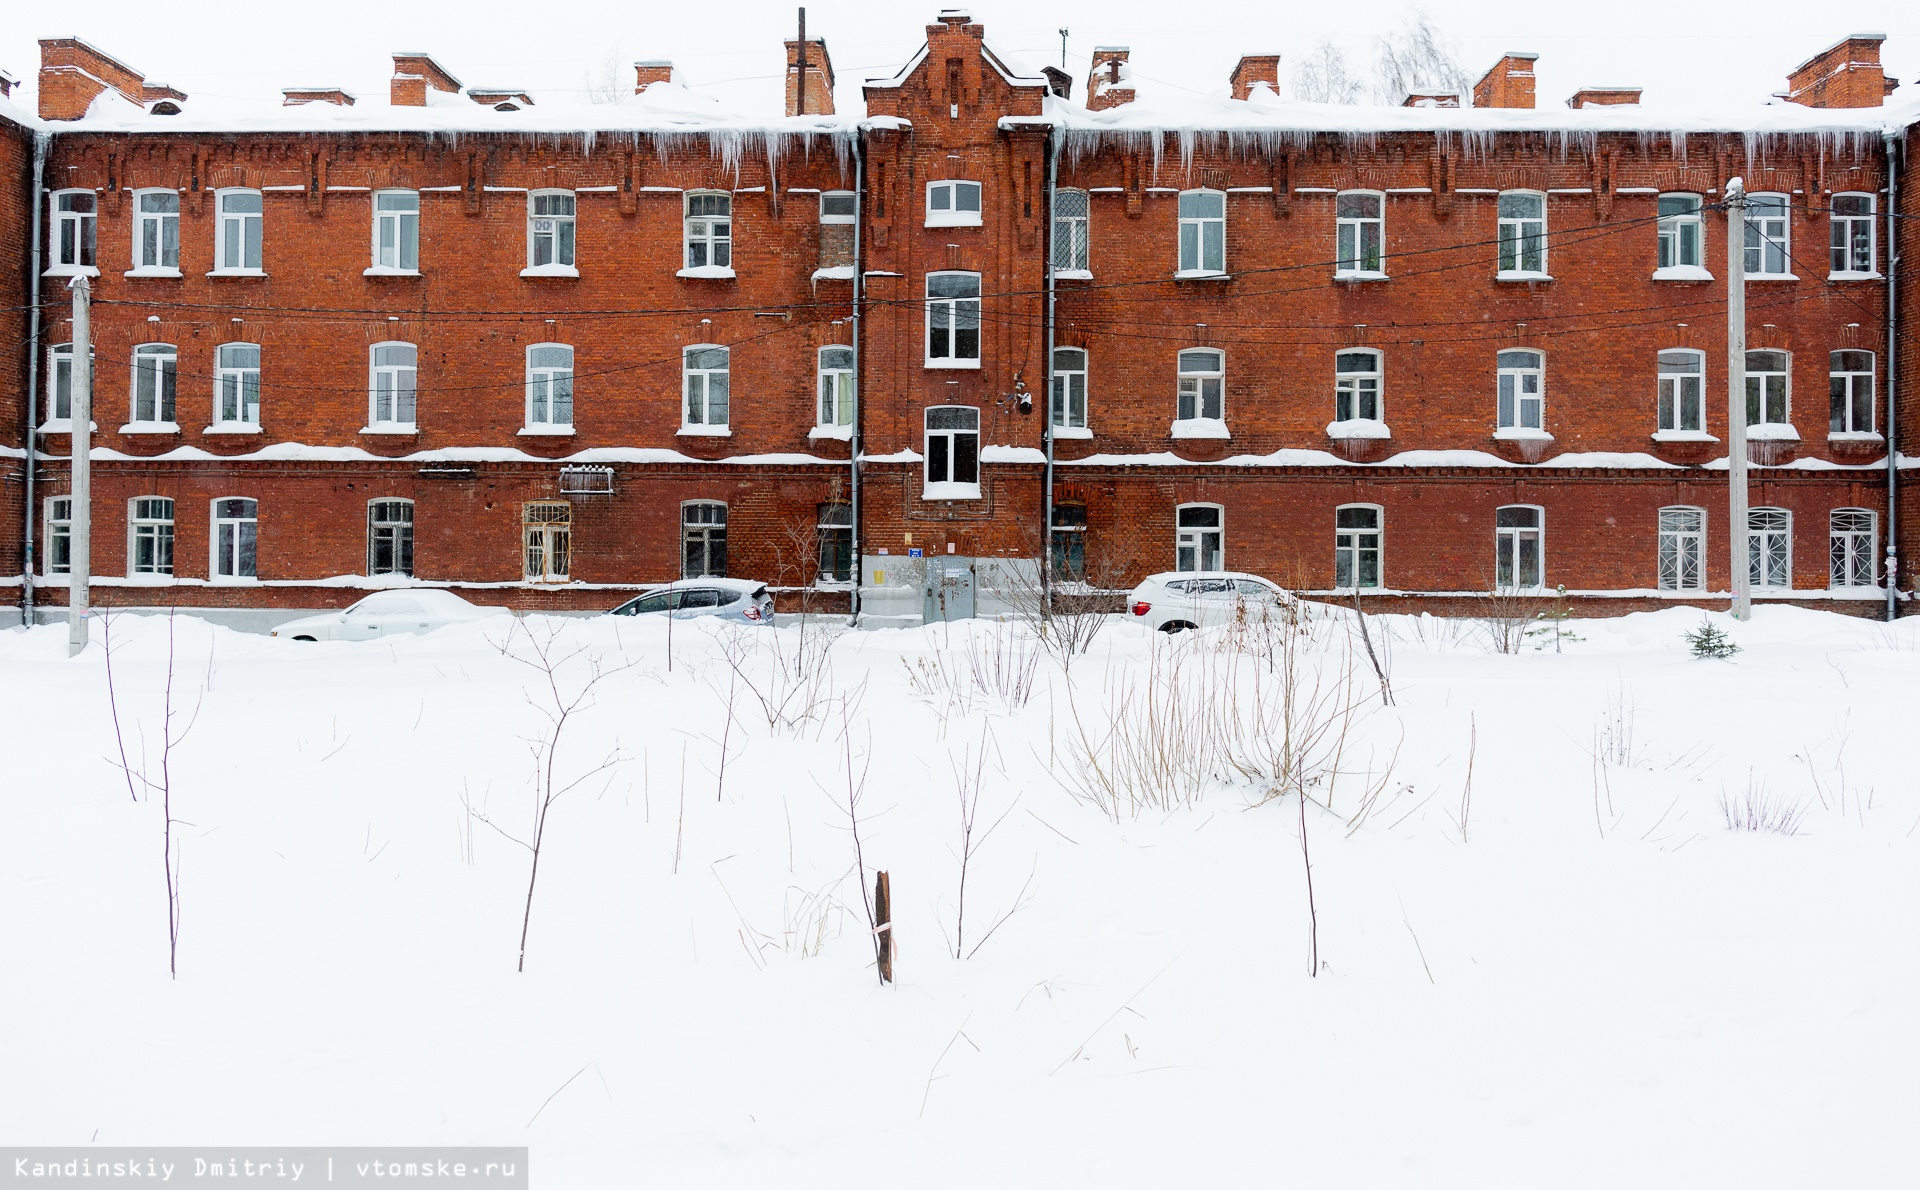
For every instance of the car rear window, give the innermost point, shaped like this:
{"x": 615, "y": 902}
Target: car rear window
{"x": 728, "y": 597}
{"x": 705, "y": 597}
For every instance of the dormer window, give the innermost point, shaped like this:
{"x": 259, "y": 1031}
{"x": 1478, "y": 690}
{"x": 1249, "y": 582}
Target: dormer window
{"x": 953, "y": 204}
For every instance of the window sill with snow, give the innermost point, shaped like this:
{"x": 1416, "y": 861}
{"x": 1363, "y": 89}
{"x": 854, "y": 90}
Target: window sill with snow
{"x": 706, "y": 431}
{"x": 707, "y": 272}
{"x": 564, "y": 272}
{"x": 153, "y": 271}
{"x": 1682, "y": 272}
{"x": 151, "y": 427}
{"x": 1521, "y": 434}
{"x": 1358, "y": 427}
{"x": 1200, "y": 427}
{"x": 834, "y": 433}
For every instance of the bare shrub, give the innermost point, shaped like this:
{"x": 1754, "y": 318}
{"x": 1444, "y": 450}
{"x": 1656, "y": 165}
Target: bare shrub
{"x": 1067, "y": 611}
{"x": 1504, "y": 614}
{"x": 1614, "y": 736}
{"x": 1758, "y": 809}
{"x": 1002, "y": 661}
{"x": 787, "y": 670}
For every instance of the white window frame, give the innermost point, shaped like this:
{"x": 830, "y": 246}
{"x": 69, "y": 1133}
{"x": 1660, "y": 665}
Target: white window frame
{"x": 954, "y": 310}
{"x": 546, "y": 534}
{"x": 1760, "y": 392}
{"x": 157, "y": 229}
{"x": 236, "y": 534}
{"x": 1680, "y": 561}
{"x": 706, "y": 239}
{"x": 548, "y": 387}
{"x": 1351, "y": 547}
{"x": 1507, "y": 542}
{"x": 558, "y": 231}
{"x": 1761, "y": 556}
{"x": 1192, "y": 246}
{"x": 1681, "y": 234}
{"x": 60, "y": 387}
{"x": 162, "y": 362}
{"x": 59, "y": 529}
{"x": 239, "y": 237}
{"x": 697, "y": 384}
{"x": 1072, "y": 221}
{"x": 706, "y": 531}
{"x": 946, "y": 199}
{"x": 1190, "y": 541}
{"x": 1351, "y": 237}
{"x": 839, "y": 218}
{"x": 236, "y": 388}
{"x": 1845, "y": 389}
{"x": 1512, "y": 401}
{"x": 144, "y": 524}
{"x": 1848, "y": 547}
{"x": 396, "y": 235}
{"x": 400, "y": 531}
{"x": 1191, "y": 390}
{"x": 1843, "y": 248}
{"x": 1522, "y": 238}
{"x": 73, "y": 237}
{"x": 833, "y": 523}
{"x": 1769, "y": 236}
{"x": 947, "y": 463}
{"x": 835, "y": 389}
{"x": 1068, "y": 405}
{"x": 1681, "y": 389}
{"x": 402, "y": 390}
{"x": 1354, "y": 390}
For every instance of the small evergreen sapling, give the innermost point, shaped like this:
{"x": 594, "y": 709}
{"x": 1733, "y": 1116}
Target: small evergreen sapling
{"x": 1709, "y": 641}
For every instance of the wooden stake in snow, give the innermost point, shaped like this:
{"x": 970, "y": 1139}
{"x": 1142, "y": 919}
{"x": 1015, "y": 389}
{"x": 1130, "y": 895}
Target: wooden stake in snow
{"x": 883, "y": 925}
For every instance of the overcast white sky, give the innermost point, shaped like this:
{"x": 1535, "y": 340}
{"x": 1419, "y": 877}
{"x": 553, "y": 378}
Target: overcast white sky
{"x": 1680, "y": 53}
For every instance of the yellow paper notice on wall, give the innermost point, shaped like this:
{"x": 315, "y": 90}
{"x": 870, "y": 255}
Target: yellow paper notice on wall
{"x": 879, "y": 578}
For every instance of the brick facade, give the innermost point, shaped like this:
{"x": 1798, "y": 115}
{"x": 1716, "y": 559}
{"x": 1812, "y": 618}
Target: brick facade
{"x": 1276, "y": 464}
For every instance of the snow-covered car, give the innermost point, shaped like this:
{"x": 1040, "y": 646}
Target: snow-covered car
{"x": 388, "y": 613}
{"x": 1190, "y": 599}
{"x": 744, "y": 600}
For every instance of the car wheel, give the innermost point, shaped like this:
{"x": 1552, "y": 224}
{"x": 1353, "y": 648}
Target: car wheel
{"x": 308, "y": 638}
{"x": 1173, "y": 626}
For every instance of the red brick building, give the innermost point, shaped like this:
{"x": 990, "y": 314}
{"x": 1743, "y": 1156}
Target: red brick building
{"x": 546, "y": 356}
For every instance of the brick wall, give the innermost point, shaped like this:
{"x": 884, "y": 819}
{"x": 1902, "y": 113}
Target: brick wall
{"x": 16, "y": 354}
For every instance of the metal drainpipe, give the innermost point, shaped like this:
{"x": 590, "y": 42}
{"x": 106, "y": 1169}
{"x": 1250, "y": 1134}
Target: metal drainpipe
{"x": 1046, "y": 391}
{"x": 1893, "y": 376}
{"x": 40, "y": 143}
{"x": 859, "y": 372}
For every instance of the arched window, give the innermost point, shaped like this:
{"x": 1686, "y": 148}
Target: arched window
{"x": 836, "y": 386}
{"x": 235, "y": 538}
{"x": 1850, "y": 392}
{"x": 1767, "y": 388}
{"x": 1203, "y": 232}
{"x": 1200, "y": 537}
{"x": 237, "y": 250}
{"x": 60, "y": 383}
{"x": 1069, "y": 388}
{"x": 953, "y": 320}
{"x": 549, "y": 386}
{"x": 706, "y": 378}
{"x": 75, "y": 214}
{"x": 150, "y": 535}
{"x": 1523, "y": 390}
{"x": 1682, "y": 401}
{"x": 391, "y": 375}
{"x": 1519, "y": 539}
{"x": 1356, "y": 386}
{"x": 1851, "y": 548}
{"x": 1356, "y": 546}
{"x": 1202, "y": 385}
{"x": 396, "y": 231}
{"x": 1769, "y": 250}
{"x": 1523, "y": 234}
{"x": 389, "y": 537}
{"x": 703, "y": 539}
{"x": 550, "y": 215}
{"x": 953, "y": 453}
{"x": 835, "y": 529}
{"x": 236, "y": 385}
{"x": 1681, "y": 232}
{"x": 1070, "y": 248}
{"x": 156, "y": 232}
{"x": 1360, "y": 233}
{"x": 1770, "y": 549}
{"x": 547, "y": 531}
{"x": 1851, "y": 224}
{"x": 155, "y": 370}
{"x": 1683, "y": 549}
{"x": 709, "y": 231}
{"x": 1068, "y": 544}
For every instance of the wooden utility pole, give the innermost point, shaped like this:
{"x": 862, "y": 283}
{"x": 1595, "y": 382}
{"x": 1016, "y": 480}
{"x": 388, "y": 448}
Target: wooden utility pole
{"x": 80, "y": 417}
{"x": 1737, "y": 527}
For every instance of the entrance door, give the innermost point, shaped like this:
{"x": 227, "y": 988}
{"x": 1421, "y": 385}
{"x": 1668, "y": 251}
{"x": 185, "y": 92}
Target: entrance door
{"x": 949, "y": 589}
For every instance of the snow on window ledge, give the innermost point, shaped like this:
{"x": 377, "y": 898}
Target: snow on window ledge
{"x": 836, "y": 433}
{"x": 238, "y": 273}
{"x": 62, "y": 425}
{"x": 71, "y": 270}
{"x": 707, "y": 272}
{"x": 233, "y": 580}
{"x": 950, "y": 491}
{"x": 381, "y": 270}
{"x": 1772, "y": 277}
{"x": 1359, "y": 427}
{"x": 1200, "y": 427}
{"x": 1061, "y": 433}
{"x": 953, "y": 219}
{"x": 953, "y": 363}
{"x": 390, "y": 427}
{"x": 837, "y": 272}
{"x": 152, "y": 271}
{"x": 1854, "y": 436}
{"x": 1855, "y": 277}
{"x": 1202, "y": 275}
{"x": 706, "y": 431}
{"x": 551, "y": 270}
{"x": 1772, "y": 432}
{"x": 1682, "y": 272}
{"x": 1359, "y": 275}
{"x": 1073, "y": 274}
{"x": 151, "y": 427}
{"x": 232, "y": 427}
{"x": 1518, "y": 275}
{"x": 545, "y": 431}
{"x": 1519, "y": 434}
{"x": 1683, "y": 436}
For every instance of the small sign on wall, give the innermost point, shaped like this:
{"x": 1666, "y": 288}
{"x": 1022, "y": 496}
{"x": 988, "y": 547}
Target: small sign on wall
{"x": 916, "y": 552}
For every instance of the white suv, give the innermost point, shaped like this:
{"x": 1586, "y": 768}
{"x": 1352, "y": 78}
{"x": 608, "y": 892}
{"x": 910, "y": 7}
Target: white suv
{"x": 1202, "y": 599}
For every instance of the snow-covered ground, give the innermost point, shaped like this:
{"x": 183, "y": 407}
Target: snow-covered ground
{"x": 1594, "y": 982}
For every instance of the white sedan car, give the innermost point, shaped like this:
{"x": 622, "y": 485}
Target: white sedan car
{"x": 388, "y": 613}
{"x": 1202, "y": 599}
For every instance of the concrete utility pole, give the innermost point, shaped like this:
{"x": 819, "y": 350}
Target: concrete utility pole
{"x": 81, "y": 420}
{"x": 1063, "y": 49}
{"x": 1737, "y": 529}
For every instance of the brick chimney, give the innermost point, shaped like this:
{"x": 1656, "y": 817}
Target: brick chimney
{"x": 414, "y": 75}
{"x": 1603, "y": 97}
{"x": 1431, "y": 99}
{"x": 1108, "y": 84}
{"x": 646, "y": 74}
{"x": 505, "y": 98}
{"x": 819, "y": 79}
{"x": 73, "y": 74}
{"x": 1255, "y": 68}
{"x": 295, "y": 96}
{"x": 1508, "y": 84}
{"x": 1848, "y": 74}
